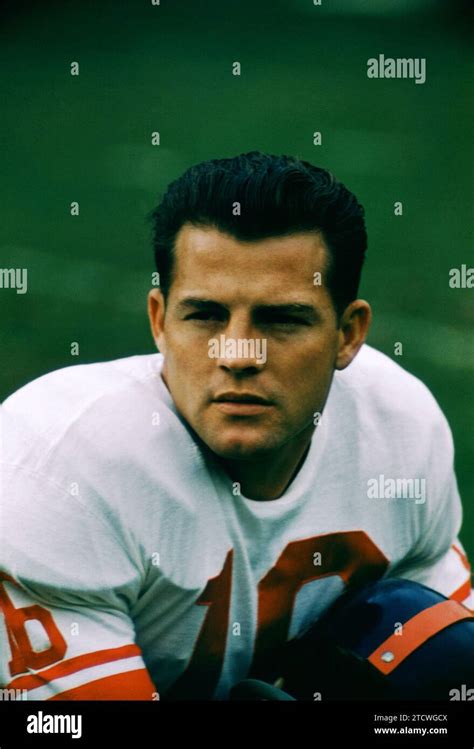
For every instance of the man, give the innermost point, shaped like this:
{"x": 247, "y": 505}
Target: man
{"x": 171, "y": 520}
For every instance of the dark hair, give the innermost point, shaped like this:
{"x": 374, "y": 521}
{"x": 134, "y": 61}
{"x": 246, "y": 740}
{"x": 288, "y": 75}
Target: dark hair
{"x": 279, "y": 196}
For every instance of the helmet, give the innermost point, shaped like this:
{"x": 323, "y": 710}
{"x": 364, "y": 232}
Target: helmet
{"x": 392, "y": 639}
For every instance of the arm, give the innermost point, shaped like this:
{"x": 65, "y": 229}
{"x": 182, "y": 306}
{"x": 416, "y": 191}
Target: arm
{"x": 56, "y": 653}
{"x": 66, "y": 585}
{"x": 438, "y": 559}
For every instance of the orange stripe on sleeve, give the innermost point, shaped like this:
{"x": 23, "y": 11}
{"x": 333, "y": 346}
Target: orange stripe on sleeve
{"x": 133, "y": 685}
{"x": 463, "y": 557}
{"x": 462, "y": 592}
{"x": 65, "y": 668}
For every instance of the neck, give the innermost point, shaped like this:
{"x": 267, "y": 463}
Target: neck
{"x": 268, "y": 476}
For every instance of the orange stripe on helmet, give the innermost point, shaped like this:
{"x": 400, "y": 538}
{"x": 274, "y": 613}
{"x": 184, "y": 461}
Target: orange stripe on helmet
{"x": 417, "y": 631}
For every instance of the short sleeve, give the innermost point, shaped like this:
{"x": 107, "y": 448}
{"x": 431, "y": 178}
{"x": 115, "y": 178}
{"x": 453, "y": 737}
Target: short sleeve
{"x": 438, "y": 559}
{"x": 67, "y": 583}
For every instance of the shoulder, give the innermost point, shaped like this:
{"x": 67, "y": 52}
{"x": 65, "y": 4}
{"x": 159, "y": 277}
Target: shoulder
{"x": 85, "y": 410}
{"x": 74, "y": 387}
{"x": 382, "y": 392}
{"x": 61, "y": 395}
{"x": 105, "y": 433}
{"x": 82, "y": 459}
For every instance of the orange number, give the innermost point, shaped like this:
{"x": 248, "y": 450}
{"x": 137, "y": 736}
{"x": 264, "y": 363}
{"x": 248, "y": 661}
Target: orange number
{"x": 351, "y": 555}
{"x": 204, "y": 669}
{"x": 23, "y": 655}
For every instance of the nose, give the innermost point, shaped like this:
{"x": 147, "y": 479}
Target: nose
{"x": 240, "y": 348}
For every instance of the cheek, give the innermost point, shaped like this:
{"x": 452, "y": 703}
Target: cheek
{"x": 190, "y": 345}
{"x": 186, "y": 365}
{"x": 311, "y": 372}
{"x": 180, "y": 347}
{"x": 310, "y": 357}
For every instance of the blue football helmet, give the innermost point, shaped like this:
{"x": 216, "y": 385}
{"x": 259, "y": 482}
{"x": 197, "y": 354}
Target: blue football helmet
{"x": 393, "y": 639}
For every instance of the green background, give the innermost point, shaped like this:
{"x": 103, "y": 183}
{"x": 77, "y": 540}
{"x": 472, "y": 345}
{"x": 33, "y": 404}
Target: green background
{"x": 168, "y": 68}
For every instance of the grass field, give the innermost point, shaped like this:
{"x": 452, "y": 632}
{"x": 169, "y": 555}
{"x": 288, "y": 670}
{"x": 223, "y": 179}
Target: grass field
{"x": 145, "y": 68}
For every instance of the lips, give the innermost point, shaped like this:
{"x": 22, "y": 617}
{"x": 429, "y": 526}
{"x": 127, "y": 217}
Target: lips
{"x": 242, "y": 404}
{"x": 232, "y": 397}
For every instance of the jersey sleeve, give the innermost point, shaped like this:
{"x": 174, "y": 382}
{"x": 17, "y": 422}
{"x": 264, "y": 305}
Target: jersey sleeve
{"x": 438, "y": 559}
{"x": 449, "y": 575}
{"x": 67, "y": 585}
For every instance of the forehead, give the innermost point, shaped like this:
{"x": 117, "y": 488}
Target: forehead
{"x": 210, "y": 259}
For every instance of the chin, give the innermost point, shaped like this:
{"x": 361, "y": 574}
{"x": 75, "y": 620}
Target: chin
{"x": 241, "y": 449}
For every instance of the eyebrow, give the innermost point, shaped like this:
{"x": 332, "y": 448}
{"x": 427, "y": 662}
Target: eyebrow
{"x": 290, "y": 308}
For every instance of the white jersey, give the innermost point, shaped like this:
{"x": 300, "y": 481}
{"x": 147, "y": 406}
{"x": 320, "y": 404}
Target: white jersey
{"x": 132, "y": 567}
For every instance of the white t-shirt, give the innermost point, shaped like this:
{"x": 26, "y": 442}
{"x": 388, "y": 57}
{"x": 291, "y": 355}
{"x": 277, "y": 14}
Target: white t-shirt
{"x": 149, "y": 574}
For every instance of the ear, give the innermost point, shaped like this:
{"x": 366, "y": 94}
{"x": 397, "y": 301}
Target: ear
{"x": 156, "y": 315}
{"x": 353, "y": 329}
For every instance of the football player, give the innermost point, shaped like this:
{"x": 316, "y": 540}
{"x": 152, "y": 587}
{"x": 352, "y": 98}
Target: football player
{"x": 170, "y": 521}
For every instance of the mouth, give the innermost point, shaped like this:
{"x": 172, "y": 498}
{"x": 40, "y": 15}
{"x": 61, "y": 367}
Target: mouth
{"x": 242, "y": 404}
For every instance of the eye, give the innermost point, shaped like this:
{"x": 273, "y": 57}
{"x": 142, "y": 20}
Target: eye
{"x": 203, "y": 316}
{"x": 289, "y": 321}
{"x": 284, "y": 320}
